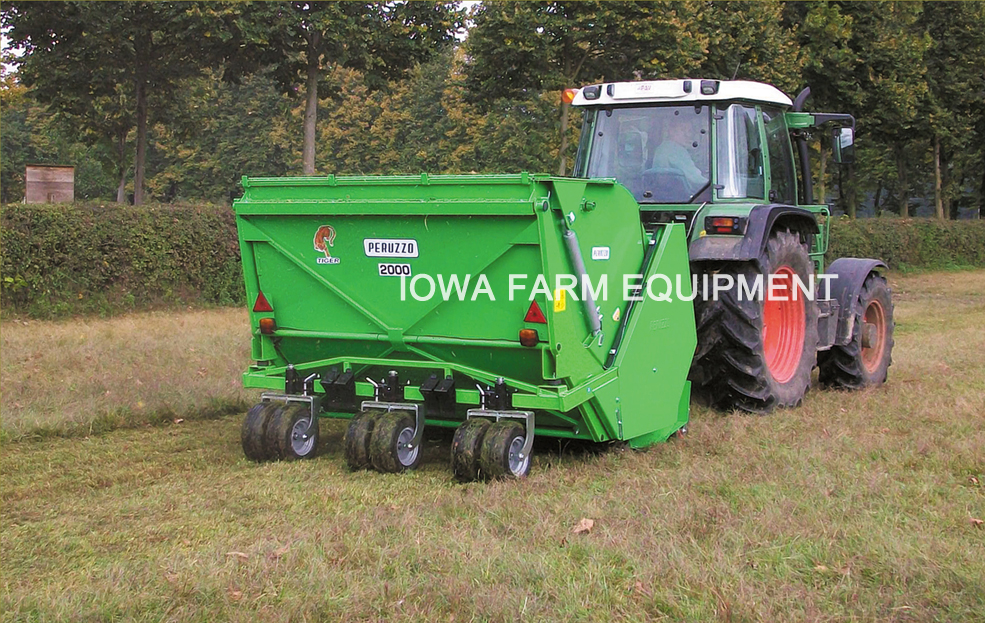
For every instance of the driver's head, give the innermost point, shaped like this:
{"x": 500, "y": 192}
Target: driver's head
{"x": 680, "y": 131}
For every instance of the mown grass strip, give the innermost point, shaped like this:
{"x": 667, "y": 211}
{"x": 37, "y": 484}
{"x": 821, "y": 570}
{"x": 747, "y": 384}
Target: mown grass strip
{"x": 88, "y": 376}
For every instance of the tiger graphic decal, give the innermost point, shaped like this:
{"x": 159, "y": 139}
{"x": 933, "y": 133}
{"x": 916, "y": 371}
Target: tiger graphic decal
{"x": 325, "y": 238}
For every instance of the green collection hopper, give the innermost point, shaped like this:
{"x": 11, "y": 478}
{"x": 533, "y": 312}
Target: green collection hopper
{"x": 496, "y": 304}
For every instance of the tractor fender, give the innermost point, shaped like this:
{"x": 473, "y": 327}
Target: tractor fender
{"x": 760, "y": 222}
{"x": 849, "y": 275}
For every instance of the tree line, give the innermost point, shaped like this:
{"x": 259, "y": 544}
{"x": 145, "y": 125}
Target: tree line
{"x": 178, "y": 100}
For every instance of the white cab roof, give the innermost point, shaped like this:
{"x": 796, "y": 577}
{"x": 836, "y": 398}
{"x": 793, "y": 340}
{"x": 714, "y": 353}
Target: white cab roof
{"x": 687, "y": 90}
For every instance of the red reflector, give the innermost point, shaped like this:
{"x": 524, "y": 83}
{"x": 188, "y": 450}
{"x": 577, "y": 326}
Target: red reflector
{"x": 262, "y": 305}
{"x": 534, "y": 314}
{"x": 720, "y": 222}
{"x": 529, "y": 337}
{"x": 267, "y": 326}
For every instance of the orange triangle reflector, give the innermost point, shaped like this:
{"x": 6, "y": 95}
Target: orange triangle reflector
{"x": 534, "y": 314}
{"x": 262, "y": 305}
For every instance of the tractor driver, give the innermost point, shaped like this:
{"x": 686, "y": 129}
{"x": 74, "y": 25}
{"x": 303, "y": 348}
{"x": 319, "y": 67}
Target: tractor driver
{"x": 675, "y": 153}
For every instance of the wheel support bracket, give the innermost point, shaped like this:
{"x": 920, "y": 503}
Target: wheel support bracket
{"x": 313, "y": 401}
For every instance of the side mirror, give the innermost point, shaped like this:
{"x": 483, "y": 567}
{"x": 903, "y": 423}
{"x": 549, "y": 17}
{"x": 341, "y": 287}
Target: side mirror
{"x": 843, "y": 144}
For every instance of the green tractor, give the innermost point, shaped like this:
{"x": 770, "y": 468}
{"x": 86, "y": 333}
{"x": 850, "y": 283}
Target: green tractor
{"x": 720, "y": 158}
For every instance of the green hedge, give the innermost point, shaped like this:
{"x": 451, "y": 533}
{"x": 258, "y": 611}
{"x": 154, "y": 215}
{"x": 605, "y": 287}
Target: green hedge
{"x": 94, "y": 258}
{"x": 903, "y": 244}
{"x": 66, "y": 259}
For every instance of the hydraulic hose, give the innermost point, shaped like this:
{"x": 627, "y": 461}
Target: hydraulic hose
{"x": 621, "y": 331}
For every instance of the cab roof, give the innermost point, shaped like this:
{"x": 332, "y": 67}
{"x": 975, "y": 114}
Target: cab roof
{"x": 672, "y": 91}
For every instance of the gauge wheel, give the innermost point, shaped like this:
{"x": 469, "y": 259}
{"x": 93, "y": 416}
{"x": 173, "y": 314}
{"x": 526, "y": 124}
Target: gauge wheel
{"x": 254, "y": 431}
{"x": 466, "y": 447}
{"x": 501, "y": 455}
{"x": 289, "y": 435}
{"x": 357, "y": 437}
{"x": 390, "y": 446}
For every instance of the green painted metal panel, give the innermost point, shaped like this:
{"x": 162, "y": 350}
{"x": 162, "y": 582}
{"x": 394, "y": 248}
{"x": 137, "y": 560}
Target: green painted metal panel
{"x": 654, "y": 364}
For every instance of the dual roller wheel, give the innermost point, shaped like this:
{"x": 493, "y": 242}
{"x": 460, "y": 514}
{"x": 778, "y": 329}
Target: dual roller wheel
{"x": 484, "y": 450}
{"x": 275, "y": 431}
{"x": 382, "y": 440}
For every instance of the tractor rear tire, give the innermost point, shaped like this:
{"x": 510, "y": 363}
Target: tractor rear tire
{"x": 466, "y": 447}
{"x": 756, "y": 354}
{"x": 865, "y": 360}
{"x": 254, "y": 431}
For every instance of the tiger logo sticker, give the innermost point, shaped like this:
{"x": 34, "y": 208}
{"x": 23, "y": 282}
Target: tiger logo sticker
{"x": 324, "y": 240}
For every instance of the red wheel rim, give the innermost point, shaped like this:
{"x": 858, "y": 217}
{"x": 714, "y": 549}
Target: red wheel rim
{"x": 872, "y": 354}
{"x": 783, "y": 325}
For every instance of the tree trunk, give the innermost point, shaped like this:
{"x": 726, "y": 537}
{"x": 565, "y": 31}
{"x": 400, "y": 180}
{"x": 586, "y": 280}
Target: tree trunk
{"x": 952, "y": 205}
{"x": 570, "y": 77}
{"x": 564, "y": 138}
{"x": 981, "y": 190}
{"x": 948, "y": 194}
{"x": 121, "y": 190}
{"x": 311, "y": 108}
{"x": 121, "y": 146}
{"x": 138, "y": 176}
{"x": 938, "y": 198}
{"x": 904, "y": 198}
{"x": 875, "y": 204}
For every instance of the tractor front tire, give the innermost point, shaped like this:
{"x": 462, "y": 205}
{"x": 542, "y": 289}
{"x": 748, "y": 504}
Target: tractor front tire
{"x": 864, "y": 361}
{"x": 756, "y": 354}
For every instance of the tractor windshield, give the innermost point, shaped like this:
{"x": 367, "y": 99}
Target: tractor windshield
{"x": 660, "y": 153}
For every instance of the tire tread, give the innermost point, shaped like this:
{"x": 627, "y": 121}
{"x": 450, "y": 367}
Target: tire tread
{"x": 729, "y": 368}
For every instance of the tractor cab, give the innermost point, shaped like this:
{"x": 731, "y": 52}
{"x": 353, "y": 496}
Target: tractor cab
{"x": 681, "y": 145}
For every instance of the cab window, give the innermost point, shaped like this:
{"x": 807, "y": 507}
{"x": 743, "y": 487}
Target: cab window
{"x": 660, "y": 153}
{"x": 783, "y": 188}
{"x": 741, "y": 173}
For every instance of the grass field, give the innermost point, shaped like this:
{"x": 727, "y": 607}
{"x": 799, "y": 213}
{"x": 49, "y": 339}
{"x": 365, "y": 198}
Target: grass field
{"x": 87, "y": 376}
{"x": 855, "y": 507}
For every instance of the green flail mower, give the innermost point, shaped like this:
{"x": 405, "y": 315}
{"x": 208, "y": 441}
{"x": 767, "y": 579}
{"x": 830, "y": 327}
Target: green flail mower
{"x": 584, "y": 307}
